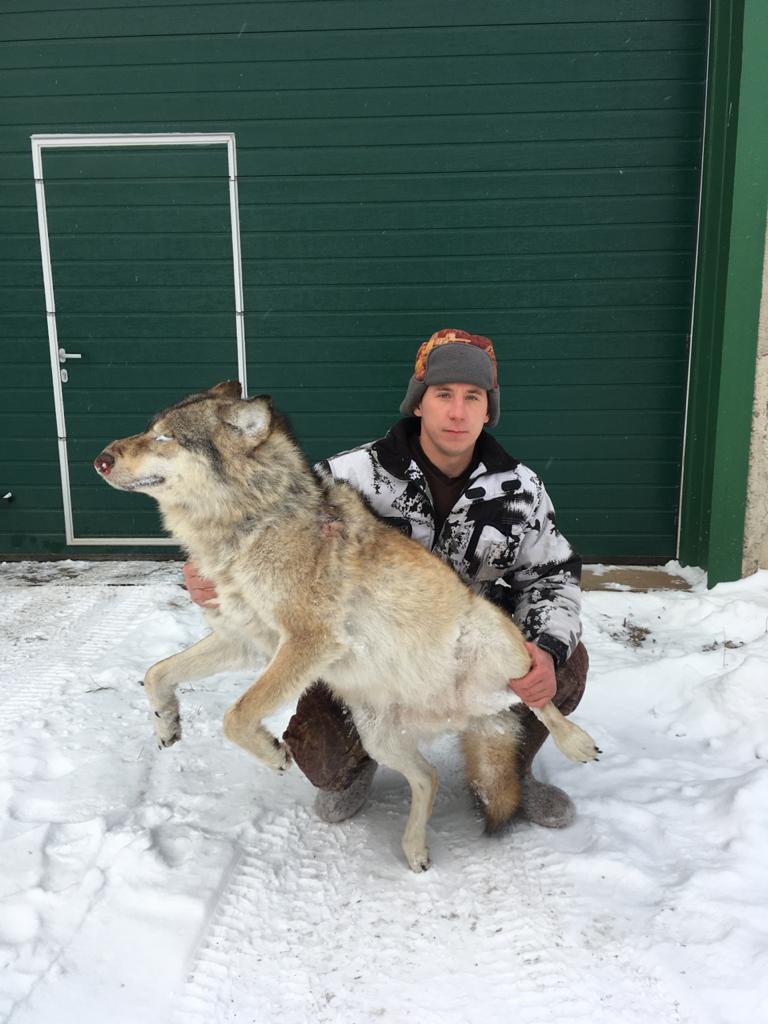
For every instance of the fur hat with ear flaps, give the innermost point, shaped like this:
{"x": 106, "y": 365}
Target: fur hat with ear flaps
{"x": 454, "y": 357}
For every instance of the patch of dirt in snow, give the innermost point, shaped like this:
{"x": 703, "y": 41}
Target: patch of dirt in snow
{"x": 729, "y": 645}
{"x": 632, "y": 634}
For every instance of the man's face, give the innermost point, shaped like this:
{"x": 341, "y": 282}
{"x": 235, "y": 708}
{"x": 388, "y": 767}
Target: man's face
{"x": 452, "y": 417}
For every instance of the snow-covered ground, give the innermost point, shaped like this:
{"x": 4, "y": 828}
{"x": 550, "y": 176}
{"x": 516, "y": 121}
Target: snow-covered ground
{"x": 189, "y": 885}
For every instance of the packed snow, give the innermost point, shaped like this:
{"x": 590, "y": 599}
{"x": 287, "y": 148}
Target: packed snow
{"x": 191, "y": 885}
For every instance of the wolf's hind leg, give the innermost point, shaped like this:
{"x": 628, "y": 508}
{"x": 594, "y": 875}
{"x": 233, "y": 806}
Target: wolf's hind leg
{"x": 390, "y": 748}
{"x": 574, "y": 742}
{"x": 209, "y": 655}
{"x": 422, "y": 778}
{"x": 296, "y": 664}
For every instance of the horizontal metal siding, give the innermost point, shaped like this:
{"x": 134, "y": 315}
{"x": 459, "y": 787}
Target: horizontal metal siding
{"x": 525, "y": 170}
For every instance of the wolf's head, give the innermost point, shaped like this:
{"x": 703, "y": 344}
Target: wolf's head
{"x": 211, "y": 433}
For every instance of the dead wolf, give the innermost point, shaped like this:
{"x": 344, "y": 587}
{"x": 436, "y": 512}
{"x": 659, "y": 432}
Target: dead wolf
{"x": 309, "y": 577}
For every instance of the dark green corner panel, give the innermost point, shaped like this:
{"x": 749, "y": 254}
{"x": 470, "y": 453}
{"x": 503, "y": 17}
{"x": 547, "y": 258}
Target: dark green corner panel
{"x": 525, "y": 170}
{"x": 728, "y": 289}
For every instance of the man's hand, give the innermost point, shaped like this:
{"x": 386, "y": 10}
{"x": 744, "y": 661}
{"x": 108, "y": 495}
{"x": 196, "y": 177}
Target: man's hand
{"x": 540, "y": 685}
{"x": 201, "y": 590}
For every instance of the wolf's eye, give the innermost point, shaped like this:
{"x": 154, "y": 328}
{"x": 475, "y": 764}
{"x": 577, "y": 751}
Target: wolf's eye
{"x": 162, "y": 437}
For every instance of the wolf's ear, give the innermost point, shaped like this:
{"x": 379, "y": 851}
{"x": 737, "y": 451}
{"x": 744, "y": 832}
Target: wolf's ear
{"x": 252, "y": 417}
{"x": 227, "y": 389}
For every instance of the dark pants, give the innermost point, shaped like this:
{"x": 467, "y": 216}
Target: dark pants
{"x": 326, "y": 746}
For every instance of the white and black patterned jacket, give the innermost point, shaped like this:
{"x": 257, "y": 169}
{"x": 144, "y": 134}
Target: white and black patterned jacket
{"x": 500, "y": 537}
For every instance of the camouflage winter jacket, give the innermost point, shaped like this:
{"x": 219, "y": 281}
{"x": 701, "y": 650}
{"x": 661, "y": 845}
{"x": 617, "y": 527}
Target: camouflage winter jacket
{"x": 500, "y": 537}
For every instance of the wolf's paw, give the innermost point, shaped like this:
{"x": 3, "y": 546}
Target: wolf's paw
{"x": 578, "y": 745}
{"x": 278, "y": 756}
{"x": 167, "y": 728}
{"x": 418, "y": 858}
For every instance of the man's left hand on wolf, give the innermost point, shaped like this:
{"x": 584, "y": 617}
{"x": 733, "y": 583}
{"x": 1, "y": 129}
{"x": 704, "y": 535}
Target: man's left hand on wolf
{"x": 499, "y": 535}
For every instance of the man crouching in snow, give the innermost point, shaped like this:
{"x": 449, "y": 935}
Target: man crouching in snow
{"x": 446, "y": 483}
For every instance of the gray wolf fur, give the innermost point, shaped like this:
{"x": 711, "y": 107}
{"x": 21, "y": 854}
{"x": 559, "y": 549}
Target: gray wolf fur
{"x": 307, "y": 576}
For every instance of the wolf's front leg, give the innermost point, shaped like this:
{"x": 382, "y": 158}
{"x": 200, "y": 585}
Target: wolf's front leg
{"x": 296, "y": 663}
{"x": 209, "y": 655}
{"x": 391, "y": 747}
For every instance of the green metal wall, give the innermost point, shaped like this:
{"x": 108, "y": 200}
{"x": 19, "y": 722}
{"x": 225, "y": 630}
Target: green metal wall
{"x": 525, "y": 170}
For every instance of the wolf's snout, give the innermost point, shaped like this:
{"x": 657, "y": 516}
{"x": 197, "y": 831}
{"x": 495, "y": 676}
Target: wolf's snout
{"x": 103, "y": 463}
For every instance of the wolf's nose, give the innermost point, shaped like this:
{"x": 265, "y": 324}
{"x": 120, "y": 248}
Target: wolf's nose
{"x": 103, "y": 463}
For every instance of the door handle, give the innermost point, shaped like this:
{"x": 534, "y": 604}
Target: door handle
{"x": 64, "y": 355}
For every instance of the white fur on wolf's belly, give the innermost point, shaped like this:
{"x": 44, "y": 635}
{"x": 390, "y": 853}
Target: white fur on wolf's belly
{"x": 426, "y": 725}
{"x": 433, "y": 687}
{"x": 427, "y": 706}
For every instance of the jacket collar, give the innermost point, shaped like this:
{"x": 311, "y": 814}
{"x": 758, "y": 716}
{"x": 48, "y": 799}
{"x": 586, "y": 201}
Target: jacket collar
{"x": 394, "y": 454}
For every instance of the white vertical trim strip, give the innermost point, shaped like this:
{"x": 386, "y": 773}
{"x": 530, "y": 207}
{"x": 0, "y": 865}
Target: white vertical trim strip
{"x": 237, "y": 264}
{"x": 53, "y": 340}
{"x": 705, "y": 126}
{"x": 77, "y": 141}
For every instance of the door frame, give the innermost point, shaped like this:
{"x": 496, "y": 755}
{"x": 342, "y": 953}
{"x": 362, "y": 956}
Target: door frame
{"x": 124, "y": 139}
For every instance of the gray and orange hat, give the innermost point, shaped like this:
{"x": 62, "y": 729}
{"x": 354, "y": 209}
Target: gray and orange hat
{"x": 454, "y": 357}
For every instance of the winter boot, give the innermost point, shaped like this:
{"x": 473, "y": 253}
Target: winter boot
{"x": 545, "y": 805}
{"x": 540, "y": 803}
{"x": 334, "y": 805}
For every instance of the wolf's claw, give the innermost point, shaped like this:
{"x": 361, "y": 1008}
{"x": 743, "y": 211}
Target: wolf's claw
{"x": 419, "y": 859}
{"x": 420, "y": 863}
{"x": 167, "y": 729}
{"x": 578, "y": 745}
{"x": 282, "y": 758}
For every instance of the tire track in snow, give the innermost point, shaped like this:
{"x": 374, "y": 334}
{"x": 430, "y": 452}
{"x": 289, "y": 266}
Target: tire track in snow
{"x": 68, "y": 632}
{"x": 61, "y": 631}
{"x": 15, "y": 606}
{"x": 325, "y": 924}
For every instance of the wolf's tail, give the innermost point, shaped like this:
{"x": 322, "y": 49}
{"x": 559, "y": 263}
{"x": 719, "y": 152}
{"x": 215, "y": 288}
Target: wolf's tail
{"x": 492, "y": 765}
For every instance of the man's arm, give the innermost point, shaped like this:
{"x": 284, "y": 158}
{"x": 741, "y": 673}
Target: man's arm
{"x": 542, "y": 592}
{"x": 539, "y": 685}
